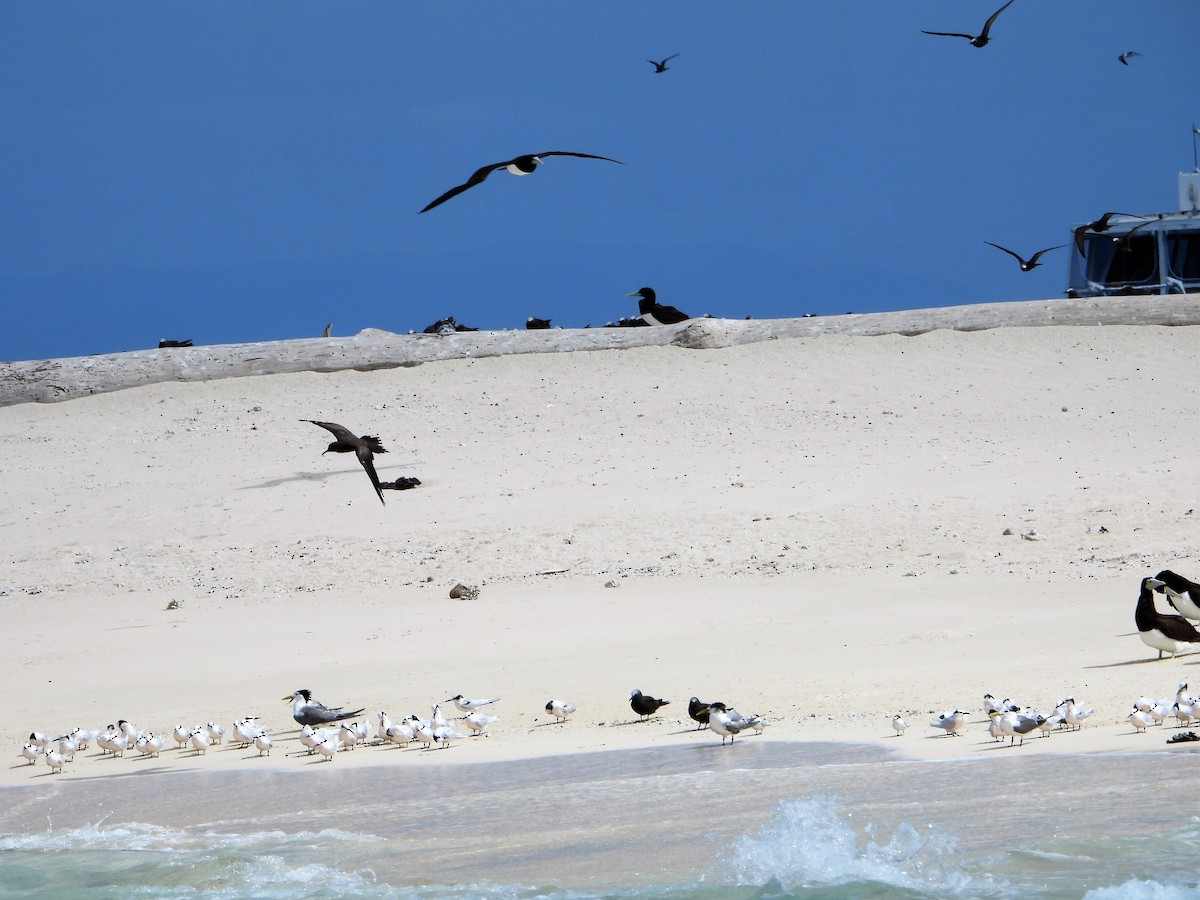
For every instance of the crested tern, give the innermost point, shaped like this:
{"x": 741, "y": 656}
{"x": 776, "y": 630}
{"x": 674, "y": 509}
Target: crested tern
{"x": 560, "y": 709}
{"x": 307, "y": 711}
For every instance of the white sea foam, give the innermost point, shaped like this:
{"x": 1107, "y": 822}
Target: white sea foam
{"x": 807, "y": 844}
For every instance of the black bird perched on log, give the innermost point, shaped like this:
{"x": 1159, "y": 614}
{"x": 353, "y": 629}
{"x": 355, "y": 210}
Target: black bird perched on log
{"x": 307, "y": 711}
{"x": 533, "y": 323}
{"x": 645, "y": 705}
{"x": 364, "y": 448}
{"x": 979, "y": 40}
{"x": 1027, "y": 265}
{"x": 661, "y": 65}
{"x": 167, "y": 342}
{"x": 655, "y": 313}
{"x": 520, "y": 165}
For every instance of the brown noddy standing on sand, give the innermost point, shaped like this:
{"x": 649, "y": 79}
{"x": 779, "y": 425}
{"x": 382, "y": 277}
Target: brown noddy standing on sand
{"x": 364, "y": 448}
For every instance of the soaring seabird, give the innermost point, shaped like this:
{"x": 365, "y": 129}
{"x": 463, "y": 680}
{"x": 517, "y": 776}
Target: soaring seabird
{"x": 661, "y": 64}
{"x": 364, "y": 448}
{"x": 976, "y": 41}
{"x": 1182, "y": 594}
{"x": 1099, "y": 226}
{"x": 1027, "y": 265}
{"x": 307, "y": 711}
{"x": 519, "y": 165}
{"x": 645, "y": 705}
{"x": 653, "y": 312}
{"x": 1124, "y": 57}
{"x": 1161, "y": 631}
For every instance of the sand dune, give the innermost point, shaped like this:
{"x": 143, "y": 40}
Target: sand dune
{"x": 811, "y": 528}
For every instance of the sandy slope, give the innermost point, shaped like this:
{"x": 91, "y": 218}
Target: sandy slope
{"x": 811, "y": 528}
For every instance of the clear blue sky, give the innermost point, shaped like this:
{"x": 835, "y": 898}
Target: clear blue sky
{"x": 240, "y": 171}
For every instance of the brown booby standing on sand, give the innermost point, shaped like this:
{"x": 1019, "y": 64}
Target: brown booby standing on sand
{"x": 1182, "y": 594}
{"x": 364, "y": 448}
{"x": 645, "y": 705}
{"x": 520, "y": 165}
{"x": 1161, "y": 631}
{"x": 979, "y": 40}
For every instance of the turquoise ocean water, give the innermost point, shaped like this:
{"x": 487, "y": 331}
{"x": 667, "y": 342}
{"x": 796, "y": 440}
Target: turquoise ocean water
{"x": 759, "y": 820}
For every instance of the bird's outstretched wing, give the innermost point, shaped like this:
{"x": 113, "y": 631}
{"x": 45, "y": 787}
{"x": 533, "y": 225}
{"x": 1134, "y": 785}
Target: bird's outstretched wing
{"x": 1010, "y": 253}
{"x": 364, "y": 457}
{"x": 969, "y": 37}
{"x": 1033, "y": 259}
{"x": 569, "y": 153}
{"x": 476, "y": 178}
{"x": 988, "y": 24}
{"x": 341, "y": 433}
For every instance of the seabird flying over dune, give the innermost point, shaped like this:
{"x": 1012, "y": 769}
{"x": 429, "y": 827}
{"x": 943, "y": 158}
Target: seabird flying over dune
{"x": 364, "y": 448}
{"x": 519, "y": 165}
{"x": 981, "y": 39}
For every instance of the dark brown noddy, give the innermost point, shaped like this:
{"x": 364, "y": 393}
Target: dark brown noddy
{"x": 1099, "y": 226}
{"x": 981, "y": 39}
{"x": 645, "y": 705}
{"x": 364, "y": 448}
{"x": 1027, "y": 265}
{"x": 520, "y": 165}
{"x": 661, "y": 64}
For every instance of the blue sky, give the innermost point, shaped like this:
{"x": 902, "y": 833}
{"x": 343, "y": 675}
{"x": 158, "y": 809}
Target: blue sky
{"x": 241, "y": 171}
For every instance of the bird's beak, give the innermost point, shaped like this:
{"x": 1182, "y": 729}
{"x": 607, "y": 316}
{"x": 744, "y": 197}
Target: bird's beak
{"x": 288, "y": 697}
{"x": 704, "y": 709}
{"x": 1156, "y": 585}
{"x": 634, "y": 294}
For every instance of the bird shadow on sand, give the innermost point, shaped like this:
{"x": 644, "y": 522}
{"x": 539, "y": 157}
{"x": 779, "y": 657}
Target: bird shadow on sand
{"x": 1140, "y": 662}
{"x": 635, "y": 722}
{"x": 314, "y": 477}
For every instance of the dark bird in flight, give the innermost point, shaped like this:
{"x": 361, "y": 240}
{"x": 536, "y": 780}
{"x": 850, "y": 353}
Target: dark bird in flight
{"x": 1027, "y": 265}
{"x": 1124, "y": 57}
{"x": 661, "y": 65}
{"x": 167, "y": 342}
{"x": 307, "y": 711}
{"x": 976, "y": 41}
{"x": 1124, "y": 242}
{"x": 645, "y": 705}
{"x": 521, "y": 165}
{"x": 1100, "y": 226}
{"x": 364, "y": 448}
{"x": 653, "y": 312}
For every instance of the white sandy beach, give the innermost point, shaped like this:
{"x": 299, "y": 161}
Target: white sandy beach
{"x": 810, "y": 528}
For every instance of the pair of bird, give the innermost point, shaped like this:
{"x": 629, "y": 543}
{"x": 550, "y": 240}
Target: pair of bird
{"x": 1166, "y": 632}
